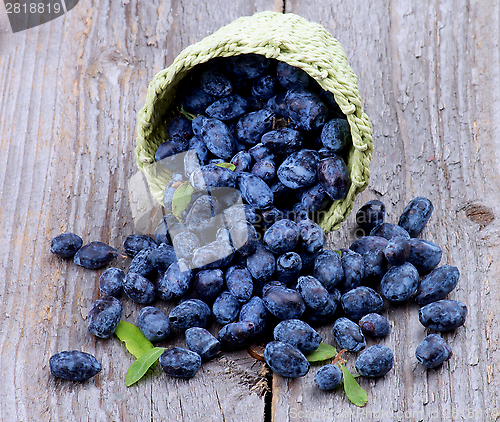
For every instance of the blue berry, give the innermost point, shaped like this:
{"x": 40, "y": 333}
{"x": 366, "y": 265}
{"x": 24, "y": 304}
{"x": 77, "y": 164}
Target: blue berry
{"x": 179, "y": 362}
{"x": 66, "y": 245}
{"x": 334, "y": 177}
{"x": 207, "y": 284}
{"x": 443, "y": 315}
{"x": 236, "y": 335}
{"x": 260, "y": 152}
{"x": 315, "y": 199}
{"x": 141, "y": 264}
{"x": 215, "y": 83}
{"x": 247, "y": 66}
{"x": 312, "y": 238}
{"x": 196, "y": 143}
{"x": 348, "y": 335}
{"x": 228, "y": 108}
{"x": 313, "y": 292}
{"x": 374, "y": 325}
{"x": 265, "y": 169}
{"x": 153, "y": 323}
{"x": 74, "y": 365}
{"x": 328, "y": 269}
{"x": 288, "y": 267}
{"x": 179, "y": 126}
{"x": 218, "y": 138}
{"x": 104, "y": 316}
{"x": 375, "y": 361}
{"x": 255, "y": 312}
{"x": 282, "y": 236}
{"x": 324, "y": 315}
{"x": 277, "y": 105}
{"x": 94, "y": 255}
{"x": 299, "y": 169}
{"x": 291, "y": 77}
{"x": 305, "y": 109}
{"x": 399, "y": 282}
{"x": 226, "y": 308}
{"x": 239, "y": 282}
{"x": 364, "y": 244}
{"x": 388, "y": 230}
{"x": 201, "y": 341}
{"x": 264, "y": 87}
{"x": 416, "y": 215}
{"x": 261, "y": 264}
{"x": 111, "y": 282}
{"x": 217, "y": 254}
{"x": 162, "y": 257}
{"x": 212, "y": 175}
{"x": 354, "y": 266}
{"x": 283, "y": 140}
{"x": 328, "y": 377}
{"x": 195, "y": 100}
{"x": 336, "y": 134}
{"x": 397, "y": 250}
{"x": 255, "y": 191}
{"x": 433, "y": 351}
{"x": 242, "y": 161}
{"x": 167, "y": 152}
{"x": 270, "y": 216}
{"x": 424, "y": 255}
{"x": 244, "y": 237}
{"x": 138, "y": 288}
{"x": 185, "y": 243}
{"x": 176, "y": 281}
{"x": 136, "y": 242}
{"x": 283, "y": 303}
{"x": 285, "y": 359}
{"x": 299, "y": 334}
{"x": 251, "y": 126}
{"x": 437, "y": 284}
{"x": 190, "y": 313}
{"x": 375, "y": 267}
{"x": 361, "y": 301}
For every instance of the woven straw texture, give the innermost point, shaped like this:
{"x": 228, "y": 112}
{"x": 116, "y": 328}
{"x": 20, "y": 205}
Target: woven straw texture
{"x": 285, "y": 37}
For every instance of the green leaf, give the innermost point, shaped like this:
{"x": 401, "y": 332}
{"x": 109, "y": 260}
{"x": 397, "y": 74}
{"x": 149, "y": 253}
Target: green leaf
{"x": 229, "y": 166}
{"x": 142, "y": 364}
{"x": 181, "y": 199}
{"x": 323, "y": 352}
{"x": 338, "y": 252}
{"x": 133, "y": 338}
{"x": 352, "y": 389}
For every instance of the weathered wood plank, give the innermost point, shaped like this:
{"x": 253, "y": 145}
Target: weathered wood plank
{"x": 428, "y": 77}
{"x": 70, "y": 93}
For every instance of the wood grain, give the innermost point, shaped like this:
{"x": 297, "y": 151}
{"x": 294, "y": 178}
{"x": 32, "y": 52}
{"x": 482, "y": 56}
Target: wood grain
{"x": 70, "y": 91}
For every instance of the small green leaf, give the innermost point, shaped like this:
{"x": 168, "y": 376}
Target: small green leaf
{"x": 323, "y": 352}
{"x": 133, "y": 338}
{"x": 229, "y": 166}
{"x": 352, "y": 389}
{"x": 338, "y": 252}
{"x": 181, "y": 199}
{"x": 142, "y": 364}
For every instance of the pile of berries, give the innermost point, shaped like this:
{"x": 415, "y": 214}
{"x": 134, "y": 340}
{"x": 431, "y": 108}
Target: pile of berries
{"x": 255, "y": 157}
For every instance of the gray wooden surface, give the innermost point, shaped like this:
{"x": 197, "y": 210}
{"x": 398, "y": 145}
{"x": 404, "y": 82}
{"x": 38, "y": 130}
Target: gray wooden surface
{"x": 70, "y": 91}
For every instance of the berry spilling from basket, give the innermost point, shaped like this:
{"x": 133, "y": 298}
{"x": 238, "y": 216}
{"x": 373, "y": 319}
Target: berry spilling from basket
{"x": 257, "y": 151}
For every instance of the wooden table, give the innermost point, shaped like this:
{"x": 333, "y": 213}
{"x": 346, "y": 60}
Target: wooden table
{"x": 70, "y": 91}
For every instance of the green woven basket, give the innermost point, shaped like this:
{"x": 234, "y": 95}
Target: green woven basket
{"x": 285, "y": 37}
